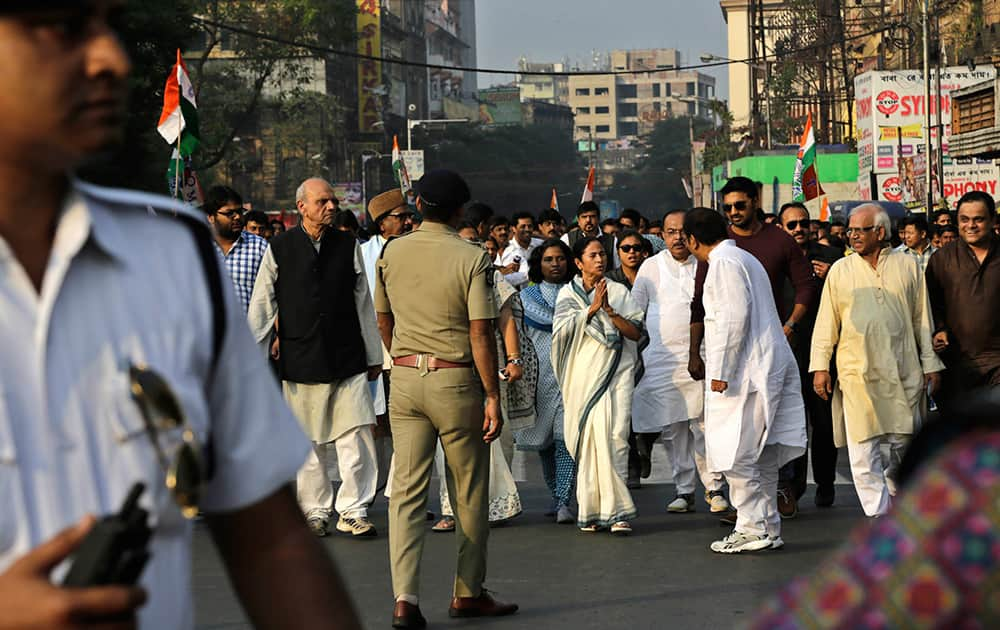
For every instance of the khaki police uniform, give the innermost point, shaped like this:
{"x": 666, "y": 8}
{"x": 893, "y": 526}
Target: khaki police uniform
{"x": 434, "y": 283}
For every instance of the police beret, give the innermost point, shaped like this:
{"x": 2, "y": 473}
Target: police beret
{"x": 443, "y": 188}
{"x": 383, "y": 204}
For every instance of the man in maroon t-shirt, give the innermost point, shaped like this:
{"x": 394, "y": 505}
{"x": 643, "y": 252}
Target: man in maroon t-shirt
{"x": 777, "y": 252}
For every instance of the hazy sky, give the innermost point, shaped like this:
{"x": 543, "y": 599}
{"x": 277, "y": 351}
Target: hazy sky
{"x": 548, "y": 30}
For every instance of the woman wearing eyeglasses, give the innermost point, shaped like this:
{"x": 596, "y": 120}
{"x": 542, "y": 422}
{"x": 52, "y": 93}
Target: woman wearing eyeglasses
{"x": 594, "y": 334}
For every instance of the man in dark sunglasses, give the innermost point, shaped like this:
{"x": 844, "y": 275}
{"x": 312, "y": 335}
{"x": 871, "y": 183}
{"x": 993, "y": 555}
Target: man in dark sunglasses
{"x": 794, "y": 218}
{"x": 777, "y": 252}
{"x": 93, "y": 280}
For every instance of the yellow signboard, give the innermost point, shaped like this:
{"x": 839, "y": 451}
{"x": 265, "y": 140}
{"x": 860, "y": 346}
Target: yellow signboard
{"x": 369, "y": 70}
{"x": 909, "y": 131}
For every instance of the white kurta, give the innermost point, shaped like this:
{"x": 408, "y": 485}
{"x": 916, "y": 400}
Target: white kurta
{"x": 594, "y": 365}
{"x": 316, "y": 403}
{"x": 746, "y": 347}
{"x": 370, "y": 252}
{"x": 666, "y": 394}
{"x": 514, "y": 252}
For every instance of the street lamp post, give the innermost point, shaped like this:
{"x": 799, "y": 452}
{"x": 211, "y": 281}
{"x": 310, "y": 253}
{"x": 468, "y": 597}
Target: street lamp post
{"x": 766, "y": 67}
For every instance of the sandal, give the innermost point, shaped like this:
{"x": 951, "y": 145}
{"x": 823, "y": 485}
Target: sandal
{"x": 590, "y": 529}
{"x": 446, "y": 524}
{"x": 621, "y": 528}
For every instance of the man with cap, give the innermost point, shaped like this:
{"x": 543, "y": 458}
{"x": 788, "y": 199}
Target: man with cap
{"x": 312, "y": 287}
{"x": 434, "y": 298}
{"x": 390, "y": 216}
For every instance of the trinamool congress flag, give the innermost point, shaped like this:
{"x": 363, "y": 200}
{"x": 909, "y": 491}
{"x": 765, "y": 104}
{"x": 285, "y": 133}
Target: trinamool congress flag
{"x": 179, "y": 127}
{"x": 399, "y": 169}
{"x": 805, "y": 182}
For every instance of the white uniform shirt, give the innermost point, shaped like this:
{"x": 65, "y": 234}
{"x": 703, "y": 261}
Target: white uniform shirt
{"x": 514, "y": 252}
{"x": 124, "y": 285}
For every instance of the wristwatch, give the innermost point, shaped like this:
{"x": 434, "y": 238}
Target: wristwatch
{"x": 516, "y": 361}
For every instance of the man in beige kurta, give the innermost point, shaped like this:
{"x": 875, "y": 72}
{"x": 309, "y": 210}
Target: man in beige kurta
{"x": 874, "y": 313}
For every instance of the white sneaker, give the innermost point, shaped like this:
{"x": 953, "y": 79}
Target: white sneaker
{"x": 716, "y": 501}
{"x": 738, "y": 542}
{"x": 777, "y": 542}
{"x": 359, "y": 526}
{"x": 683, "y": 503}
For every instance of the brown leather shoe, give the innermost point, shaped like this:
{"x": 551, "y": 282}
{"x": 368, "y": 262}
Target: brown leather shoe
{"x": 483, "y": 606}
{"x": 407, "y": 615}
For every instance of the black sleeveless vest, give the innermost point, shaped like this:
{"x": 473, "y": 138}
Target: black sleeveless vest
{"x": 317, "y": 318}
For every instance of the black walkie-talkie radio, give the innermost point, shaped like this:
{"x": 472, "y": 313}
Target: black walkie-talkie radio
{"x": 116, "y": 550}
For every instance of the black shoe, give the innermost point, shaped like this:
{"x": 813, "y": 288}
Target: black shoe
{"x": 824, "y": 496}
{"x": 633, "y": 483}
{"x": 643, "y": 448}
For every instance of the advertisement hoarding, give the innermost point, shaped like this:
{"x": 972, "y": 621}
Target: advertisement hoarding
{"x": 890, "y": 109}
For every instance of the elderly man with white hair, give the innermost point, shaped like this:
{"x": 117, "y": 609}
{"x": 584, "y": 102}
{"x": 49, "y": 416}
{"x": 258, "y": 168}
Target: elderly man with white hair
{"x": 312, "y": 287}
{"x": 875, "y": 314}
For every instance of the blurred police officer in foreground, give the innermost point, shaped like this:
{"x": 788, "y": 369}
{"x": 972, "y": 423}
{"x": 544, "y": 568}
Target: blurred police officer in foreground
{"x": 97, "y": 285}
{"x": 434, "y": 299}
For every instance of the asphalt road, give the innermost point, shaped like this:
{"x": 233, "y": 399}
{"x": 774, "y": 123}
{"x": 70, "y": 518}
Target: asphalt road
{"x": 662, "y": 576}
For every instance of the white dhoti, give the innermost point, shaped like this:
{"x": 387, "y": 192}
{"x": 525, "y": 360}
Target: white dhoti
{"x": 337, "y": 415}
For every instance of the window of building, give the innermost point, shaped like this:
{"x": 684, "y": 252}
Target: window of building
{"x": 601, "y": 91}
{"x": 602, "y": 110}
{"x": 583, "y": 91}
{"x": 582, "y": 110}
{"x": 583, "y": 128}
{"x": 691, "y": 108}
{"x": 691, "y": 89}
{"x": 656, "y": 107}
{"x": 627, "y": 109}
{"x": 603, "y": 128}
{"x": 670, "y": 109}
{"x": 627, "y": 91}
{"x": 628, "y": 129}
{"x": 666, "y": 89}
{"x": 656, "y": 89}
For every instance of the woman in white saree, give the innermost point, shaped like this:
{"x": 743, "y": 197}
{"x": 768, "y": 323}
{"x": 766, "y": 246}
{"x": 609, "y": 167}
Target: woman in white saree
{"x": 595, "y": 329}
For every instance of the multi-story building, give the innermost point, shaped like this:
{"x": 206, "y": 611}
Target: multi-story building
{"x": 549, "y": 88}
{"x": 450, "y": 28}
{"x": 403, "y": 35}
{"x": 627, "y": 106}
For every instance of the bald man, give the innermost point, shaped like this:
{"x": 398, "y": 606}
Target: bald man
{"x": 328, "y": 349}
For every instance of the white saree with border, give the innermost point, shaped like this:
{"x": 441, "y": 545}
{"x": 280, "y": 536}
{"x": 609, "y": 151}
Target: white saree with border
{"x": 594, "y": 365}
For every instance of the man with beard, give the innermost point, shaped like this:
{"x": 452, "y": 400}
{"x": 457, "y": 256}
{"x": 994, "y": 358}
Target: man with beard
{"x": 794, "y": 218}
{"x": 515, "y": 256}
{"x": 588, "y": 224}
{"x": 782, "y": 259}
{"x": 241, "y": 250}
{"x": 390, "y": 217}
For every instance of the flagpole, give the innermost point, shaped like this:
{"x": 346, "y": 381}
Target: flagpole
{"x": 177, "y": 170}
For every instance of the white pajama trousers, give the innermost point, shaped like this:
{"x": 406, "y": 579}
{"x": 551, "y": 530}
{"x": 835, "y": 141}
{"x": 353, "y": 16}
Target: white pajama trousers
{"x": 869, "y": 470}
{"x": 753, "y": 479}
{"x": 686, "y": 446}
{"x": 357, "y": 463}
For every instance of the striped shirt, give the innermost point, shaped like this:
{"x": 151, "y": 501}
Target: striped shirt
{"x": 921, "y": 258}
{"x": 242, "y": 262}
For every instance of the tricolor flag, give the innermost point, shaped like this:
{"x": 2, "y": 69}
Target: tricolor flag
{"x": 179, "y": 119}
{"x": 824, "y": 209}
{"x": 805, "y": 182}
{"x": 588, "y": 190}
{"x": 554, "y": 203}
{"x": 399, "y": 168}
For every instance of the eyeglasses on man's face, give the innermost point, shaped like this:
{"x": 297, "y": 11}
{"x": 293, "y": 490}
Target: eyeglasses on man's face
{"x": 628, "y": 249}
{"x": 231, "y": 213}
{"x": 184, "y": 467}
{"x": 791, "y": 225}
{"x": 739, "y": 205}
{"x": 859, "y": 230}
